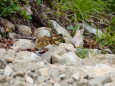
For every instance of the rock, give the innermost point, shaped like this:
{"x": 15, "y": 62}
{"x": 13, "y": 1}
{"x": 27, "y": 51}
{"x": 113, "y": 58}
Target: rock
{"x": 110, "y": 84}
{"x": 27, "y": 56}
{"x": 100, "y": 81}
{"x": 44, "y": 71}
{"x": 67, "y": 58}
{"x": 62, "y": 30}
{"x": 64, "y": 84}
{"x": 78, "y": 38}
{"x": 28, "y": 10}
{"x": 62, "y": 76}
{"x": 24, "y": 30}
{"x": 69, "y": 81}
{"x": 68, "y": 47}
{"x": 72, "y": 58}
{"x": 1, "y": 71}
{"x": 102, "y": 69}
{"x": 40, "y": 64}
{"x": 41, "y": 79}
{"x": 25, "y": 66}
{"x": 76, "y": 76}
{"x": 2, "y": 30}
{"x": 98, "y": 70}
{"x": 3, "y": 63}
{"x": 8, "y": 25}
{"x": 10, "y": 55}
{"x": 53, "y": 72}
{"x": 45, "y": 84}
{"x": 83, "y": 53}
{"x": 51, "y": 51}
{"x": 92, "y": 29}
{"x": 59, "y": 54}
{"x": 41, "y": 32}
{"x": 2, "y": 79}
{"x": 2, "y": 52}
{"x": 57, "y": 84}
{"x": 7, "y": 55}
{"x": 19, "y": 74}
{"x": 100, "y": 59}
{"x": 8, "y": 70}
{"x": 83, "y": 82}
{"x": 12, "y": 35}
{"x": 23, "y": 44}
{"x": 29, "y": 79}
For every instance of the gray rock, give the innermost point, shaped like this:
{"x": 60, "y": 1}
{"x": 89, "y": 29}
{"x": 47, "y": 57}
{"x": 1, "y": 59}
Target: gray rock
{"x": 54, "y": 72}
{"x": 25, "y": 66}
{"x": 44, "y": 71}
{"x": 7, "y": 24}
{"x": 2, "y": 30}
{"x": 78, "y": 38}
{"x": 23, "y": 44}
{"x": 83, "y": 82}
{"x": 2, "y": 79}
{"x": 62, "y": 76}
{"x": 62, "y": 30}
{"x": 68, "y": 47}
{"x": 92, "y": 29}
{"x": 28, "y": 9}
{"x": 10, "y": 55}
{"x": 98, "y": 70}
{"x": 1, "y": 71}
{"x": 110, "y": 84}
{"x": 100, "y": 80}
{"x": 24, "y": 30}
{"x": 41, "y": 79}
{"x": 52, "y": 50}
{"x": 8, "y": 70}
{"x": 27, "y": 56}
{"x": 108, "y": 59}
{"x": 3, "y": 63}
{"x": 59, "y": 54}
{"x": 57, "y": 84}
{"x": 69, "y": 80}
{"x": 44, "y": 84}
{"x": 76, "y": 76}
{"x": 64, "y": 84}
{"x": 12, "y": 35}
{"x": 67, "y": 58}
{"x": 40, "y": 64}
{"x": 41, "y": 32}
{"x": 29, "y": 79}
{"x": 19, "y": 74}
{"x": 102, "y": 69}
{"x": 2, "y": 52}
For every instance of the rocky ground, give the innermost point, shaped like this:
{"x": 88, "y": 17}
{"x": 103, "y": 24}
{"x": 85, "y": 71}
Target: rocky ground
{"x": 23, "y": 62}
{"x": 58, "y": 66}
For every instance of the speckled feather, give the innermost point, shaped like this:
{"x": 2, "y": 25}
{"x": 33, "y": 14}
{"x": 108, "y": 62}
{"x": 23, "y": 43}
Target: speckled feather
{"x": 41, "y": 42}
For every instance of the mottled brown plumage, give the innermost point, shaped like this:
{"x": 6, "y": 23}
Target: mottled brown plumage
{"x": 41, "y": 42}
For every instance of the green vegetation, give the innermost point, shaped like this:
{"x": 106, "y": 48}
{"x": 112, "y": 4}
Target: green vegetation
{"x": 76, "y": 11}
{"x": 39, "y": 1}
{"x": 82, "y": 53}
{"x": 107, "y": 39}
{"x": 84, "y": 10}
{"x": 81, "y": 9}
{"x": 8, "y": 7}
{"x": 73, "y": 29}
